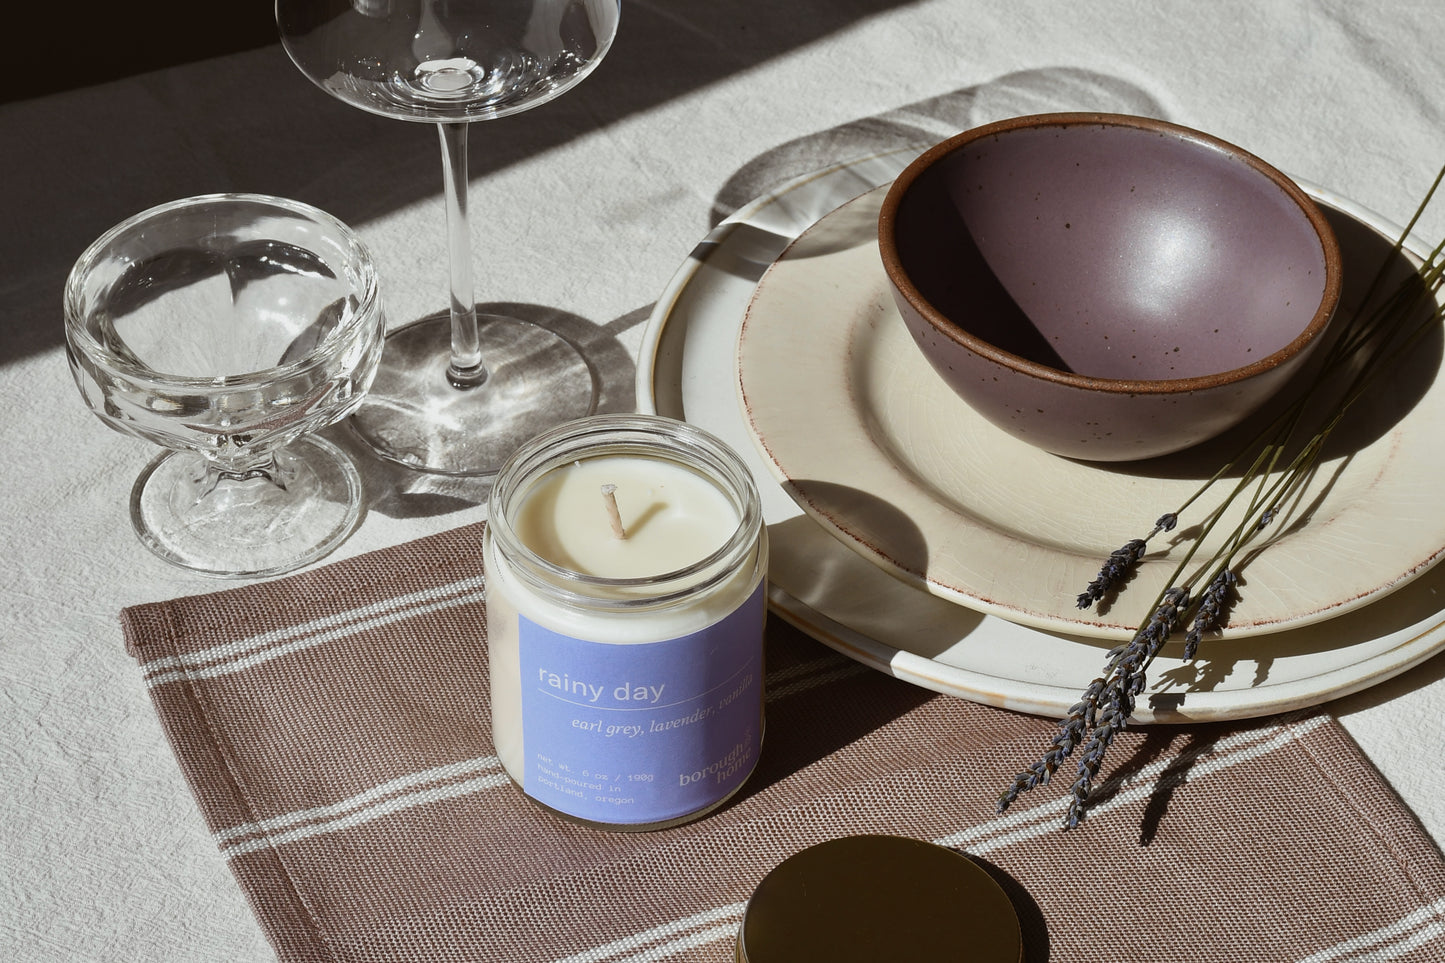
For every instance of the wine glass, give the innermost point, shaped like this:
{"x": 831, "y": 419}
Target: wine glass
{"x": 457, "y": 392}
{"x": 228, "y": 328}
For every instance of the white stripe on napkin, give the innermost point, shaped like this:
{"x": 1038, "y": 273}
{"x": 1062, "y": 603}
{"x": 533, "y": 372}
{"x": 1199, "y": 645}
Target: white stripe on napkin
{"x": 365, "y": 798}
{"x": 690, "y": 942}
{"x": 687, "y": 933}
{"x": 243, "y": 654}
{"x": 396, "y": 795}
{"x": 1389, "y": 942}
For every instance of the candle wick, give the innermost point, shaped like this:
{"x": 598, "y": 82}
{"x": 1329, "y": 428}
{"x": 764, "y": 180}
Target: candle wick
{"x": 609, "y": 498}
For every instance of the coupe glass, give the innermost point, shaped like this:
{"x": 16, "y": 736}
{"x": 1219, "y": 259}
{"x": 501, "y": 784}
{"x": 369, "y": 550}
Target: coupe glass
{"x": 457, "y": 392}
{"x": 227, "y": 329}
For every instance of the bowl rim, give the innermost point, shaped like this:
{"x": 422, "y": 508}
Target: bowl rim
{"x": 369, "y": 313}
{"x": 892, "y": 266}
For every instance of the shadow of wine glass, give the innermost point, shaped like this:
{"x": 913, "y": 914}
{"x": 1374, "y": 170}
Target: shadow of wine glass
{"x": 399, "y": 492}
{"x": 926, "y": 122}
{"x": 872, "y": 150}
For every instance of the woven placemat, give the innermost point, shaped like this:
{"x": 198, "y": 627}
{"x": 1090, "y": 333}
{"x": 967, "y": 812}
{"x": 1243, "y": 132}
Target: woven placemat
{"x": 335, "y": 729}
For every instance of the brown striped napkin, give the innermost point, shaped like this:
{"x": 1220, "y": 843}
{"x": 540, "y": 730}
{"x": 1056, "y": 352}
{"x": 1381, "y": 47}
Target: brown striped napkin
{"x": 334, "y": 727}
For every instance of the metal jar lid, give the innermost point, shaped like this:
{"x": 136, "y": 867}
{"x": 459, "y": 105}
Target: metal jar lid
{"x": 879, "y": 898}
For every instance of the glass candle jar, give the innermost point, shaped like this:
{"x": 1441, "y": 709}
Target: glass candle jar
{"x": 625, "y": 560}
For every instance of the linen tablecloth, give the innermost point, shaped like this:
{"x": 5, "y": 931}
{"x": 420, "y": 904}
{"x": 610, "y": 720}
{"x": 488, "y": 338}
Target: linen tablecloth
{"x": 583, "y": 209}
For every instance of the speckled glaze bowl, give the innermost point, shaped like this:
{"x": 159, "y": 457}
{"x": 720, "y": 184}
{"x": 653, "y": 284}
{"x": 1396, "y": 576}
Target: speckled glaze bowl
{"x": 1107, "y": 287}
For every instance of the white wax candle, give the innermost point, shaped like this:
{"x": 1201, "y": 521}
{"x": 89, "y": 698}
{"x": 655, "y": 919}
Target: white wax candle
{"x": 641, "y": 701}
{"x": 673, "y": 517}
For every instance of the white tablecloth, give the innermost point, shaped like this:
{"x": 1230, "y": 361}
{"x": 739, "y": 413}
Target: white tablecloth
{"x": 583, "y": 210}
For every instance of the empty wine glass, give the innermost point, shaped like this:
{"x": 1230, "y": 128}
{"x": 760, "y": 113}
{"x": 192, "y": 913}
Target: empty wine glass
{"x": 227, "y": 329}
{"x": 457, "y": 393}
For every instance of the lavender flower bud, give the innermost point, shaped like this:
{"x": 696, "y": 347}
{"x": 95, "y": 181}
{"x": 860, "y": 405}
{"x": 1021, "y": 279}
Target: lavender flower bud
{"x": 1212, "y": 607}
{"x": 1192, "y": 638}
{"x": 1074, "y": 815}
{"x": 1115, "y": 567}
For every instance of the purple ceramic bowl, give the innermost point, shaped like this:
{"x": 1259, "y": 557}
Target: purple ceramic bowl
{"x": 1107, "y": 287}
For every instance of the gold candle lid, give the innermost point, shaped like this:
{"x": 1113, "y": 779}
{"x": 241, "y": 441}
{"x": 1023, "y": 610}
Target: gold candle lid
{"x": 874, "y": 898}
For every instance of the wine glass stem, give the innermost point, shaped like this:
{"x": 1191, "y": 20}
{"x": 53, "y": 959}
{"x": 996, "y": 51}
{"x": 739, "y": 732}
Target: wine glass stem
{"x": 467, "y": 369}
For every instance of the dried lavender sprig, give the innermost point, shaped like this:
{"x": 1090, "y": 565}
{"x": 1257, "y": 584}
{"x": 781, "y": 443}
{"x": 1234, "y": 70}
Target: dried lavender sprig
{"x": 1127, "y": 665}
{"x": 1089, "y": 763}
{"x": 1102, "y": 711}
{"x": 1129, "y": 661}
{"x": 1126, "y": 680}
{"x": 1115, "y": 567}
{"x": 1071, "y": 730}
{"x": 1213, "y": 604}
{"x": 1120, "y": 561}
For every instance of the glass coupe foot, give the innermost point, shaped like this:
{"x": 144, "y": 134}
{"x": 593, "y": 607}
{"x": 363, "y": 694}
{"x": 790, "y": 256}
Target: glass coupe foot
{"x": 260, "y": 524}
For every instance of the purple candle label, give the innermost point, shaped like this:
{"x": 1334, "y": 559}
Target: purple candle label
{"x": 643, "y": 733}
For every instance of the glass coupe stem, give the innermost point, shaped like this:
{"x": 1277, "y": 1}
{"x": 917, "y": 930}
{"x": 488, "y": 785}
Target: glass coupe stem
{"x": 240, "y": 467}
{"x": 466, "y": 369}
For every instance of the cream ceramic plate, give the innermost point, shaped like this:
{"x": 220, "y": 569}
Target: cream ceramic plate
{"x": 877, "y": 449}
{"x": 831, "y": 592}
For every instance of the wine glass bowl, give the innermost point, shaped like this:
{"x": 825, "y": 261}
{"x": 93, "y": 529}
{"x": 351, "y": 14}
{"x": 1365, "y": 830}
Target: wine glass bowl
{"x": 229, "y": 329}
{"x": 458, "y": 392}
{"x": 436, "y": 60}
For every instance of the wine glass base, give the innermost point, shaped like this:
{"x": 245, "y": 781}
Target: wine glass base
{"x": 414, "y": 416}
{"x": 247, "y": 528}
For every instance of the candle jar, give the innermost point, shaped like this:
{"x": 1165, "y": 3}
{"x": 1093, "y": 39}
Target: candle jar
{"x": 625, "y": 560}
